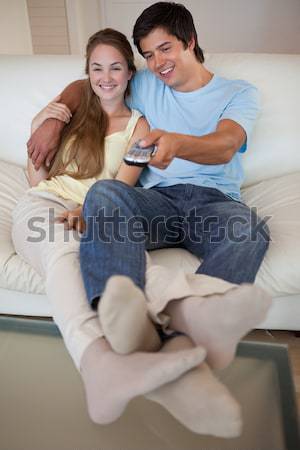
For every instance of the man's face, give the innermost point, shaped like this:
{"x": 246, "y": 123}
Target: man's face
{"x": 167, "y": 58}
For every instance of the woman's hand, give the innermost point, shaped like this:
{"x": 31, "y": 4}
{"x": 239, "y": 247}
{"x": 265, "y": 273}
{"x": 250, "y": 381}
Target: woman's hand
{"x": 73, "y": 218}
{"x": 53, "y": 110}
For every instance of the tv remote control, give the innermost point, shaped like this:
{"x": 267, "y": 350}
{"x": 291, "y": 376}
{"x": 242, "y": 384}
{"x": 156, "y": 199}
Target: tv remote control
{"x": 139, "y": 156}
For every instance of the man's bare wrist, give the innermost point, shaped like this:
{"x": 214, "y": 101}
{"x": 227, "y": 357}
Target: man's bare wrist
{"x": 59, "y": 124}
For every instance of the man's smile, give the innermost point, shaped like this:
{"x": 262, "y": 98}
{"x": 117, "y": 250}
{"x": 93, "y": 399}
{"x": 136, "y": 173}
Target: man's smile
{"x": 167, "y": 72}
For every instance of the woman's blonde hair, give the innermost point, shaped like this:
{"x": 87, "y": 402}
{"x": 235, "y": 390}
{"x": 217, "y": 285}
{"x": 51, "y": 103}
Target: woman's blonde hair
{"x": 84, "y": 136}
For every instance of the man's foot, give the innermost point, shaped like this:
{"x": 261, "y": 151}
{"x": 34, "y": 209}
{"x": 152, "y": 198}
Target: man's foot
{"x": 218, "y": 322}
{"x": 112, "y": 380}
{"x": 124, "y": 318}
{"x": 201, "y": 403}
{"x": 198, "y": 400}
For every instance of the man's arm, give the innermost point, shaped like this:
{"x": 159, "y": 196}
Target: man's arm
{"x": 43, "y": 143}
{"x": 213, "y": 148}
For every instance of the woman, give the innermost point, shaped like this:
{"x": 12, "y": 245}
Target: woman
{"x": 92, "y": 148}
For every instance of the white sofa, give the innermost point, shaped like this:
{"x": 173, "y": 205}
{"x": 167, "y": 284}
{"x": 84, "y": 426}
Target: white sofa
{"x": 272, "y": 166}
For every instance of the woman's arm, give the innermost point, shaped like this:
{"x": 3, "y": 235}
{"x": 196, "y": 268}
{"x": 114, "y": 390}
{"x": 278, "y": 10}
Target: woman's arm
{"x": 54, "y": 110}
{"x": 130, "y": 174}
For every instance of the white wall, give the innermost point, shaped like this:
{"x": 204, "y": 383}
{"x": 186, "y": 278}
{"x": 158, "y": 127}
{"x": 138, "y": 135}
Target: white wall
{"x": 84, "y": 19}
{"x": 270, "y": 26}
{"x": 265, "y": 26}
{"x": 15, "y": 35}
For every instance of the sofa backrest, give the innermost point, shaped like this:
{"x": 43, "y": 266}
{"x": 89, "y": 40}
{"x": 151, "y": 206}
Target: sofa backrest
{"x": 27, "y": 83}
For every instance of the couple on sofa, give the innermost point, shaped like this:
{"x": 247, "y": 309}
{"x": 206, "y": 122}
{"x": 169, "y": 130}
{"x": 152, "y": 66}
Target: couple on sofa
{"x": 132, "y": 327}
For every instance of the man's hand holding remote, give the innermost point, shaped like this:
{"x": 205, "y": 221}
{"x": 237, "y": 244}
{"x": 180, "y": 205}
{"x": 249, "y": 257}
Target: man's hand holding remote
{"x": 167, "y": 145}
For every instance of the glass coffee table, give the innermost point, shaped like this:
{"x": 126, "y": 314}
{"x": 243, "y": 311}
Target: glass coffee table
{"x": 42, "y": 402}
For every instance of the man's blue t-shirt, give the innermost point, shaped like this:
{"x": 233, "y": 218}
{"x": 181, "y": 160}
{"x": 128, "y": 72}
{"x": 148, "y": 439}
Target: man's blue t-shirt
{"x": 195, "y": 113}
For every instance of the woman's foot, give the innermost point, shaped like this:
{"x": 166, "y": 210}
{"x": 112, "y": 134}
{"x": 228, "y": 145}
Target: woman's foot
{"x": 112, "y": 380}
{"x": 124, "y": 317}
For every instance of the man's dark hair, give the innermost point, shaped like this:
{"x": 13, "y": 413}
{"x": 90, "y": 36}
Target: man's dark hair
{"x": 173, "y": 18}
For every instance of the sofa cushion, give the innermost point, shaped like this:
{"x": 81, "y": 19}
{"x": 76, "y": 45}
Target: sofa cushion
{"x": 278, "y": 198}
{"x": 15, "y": 273}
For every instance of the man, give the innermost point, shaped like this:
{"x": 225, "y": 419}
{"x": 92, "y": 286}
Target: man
{"x": 192, "y": 183}
{"x": 189, "y": 194}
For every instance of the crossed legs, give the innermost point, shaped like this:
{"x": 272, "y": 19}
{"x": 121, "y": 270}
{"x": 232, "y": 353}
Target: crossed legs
{"x": 101, "y": 367}
{"x": 197, "y": 399}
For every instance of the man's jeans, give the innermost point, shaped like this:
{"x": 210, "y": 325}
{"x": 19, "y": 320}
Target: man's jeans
{"x": 123, "y": 222}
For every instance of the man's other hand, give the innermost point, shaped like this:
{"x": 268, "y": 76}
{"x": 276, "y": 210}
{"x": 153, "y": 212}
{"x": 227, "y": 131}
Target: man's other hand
{"x": 43, "y": 143}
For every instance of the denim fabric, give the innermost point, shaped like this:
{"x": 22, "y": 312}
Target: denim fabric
{"x": 123, "y": 222}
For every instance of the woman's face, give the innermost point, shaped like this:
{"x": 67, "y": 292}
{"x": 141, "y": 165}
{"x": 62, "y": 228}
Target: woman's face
{"x": 108, "y": 73}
